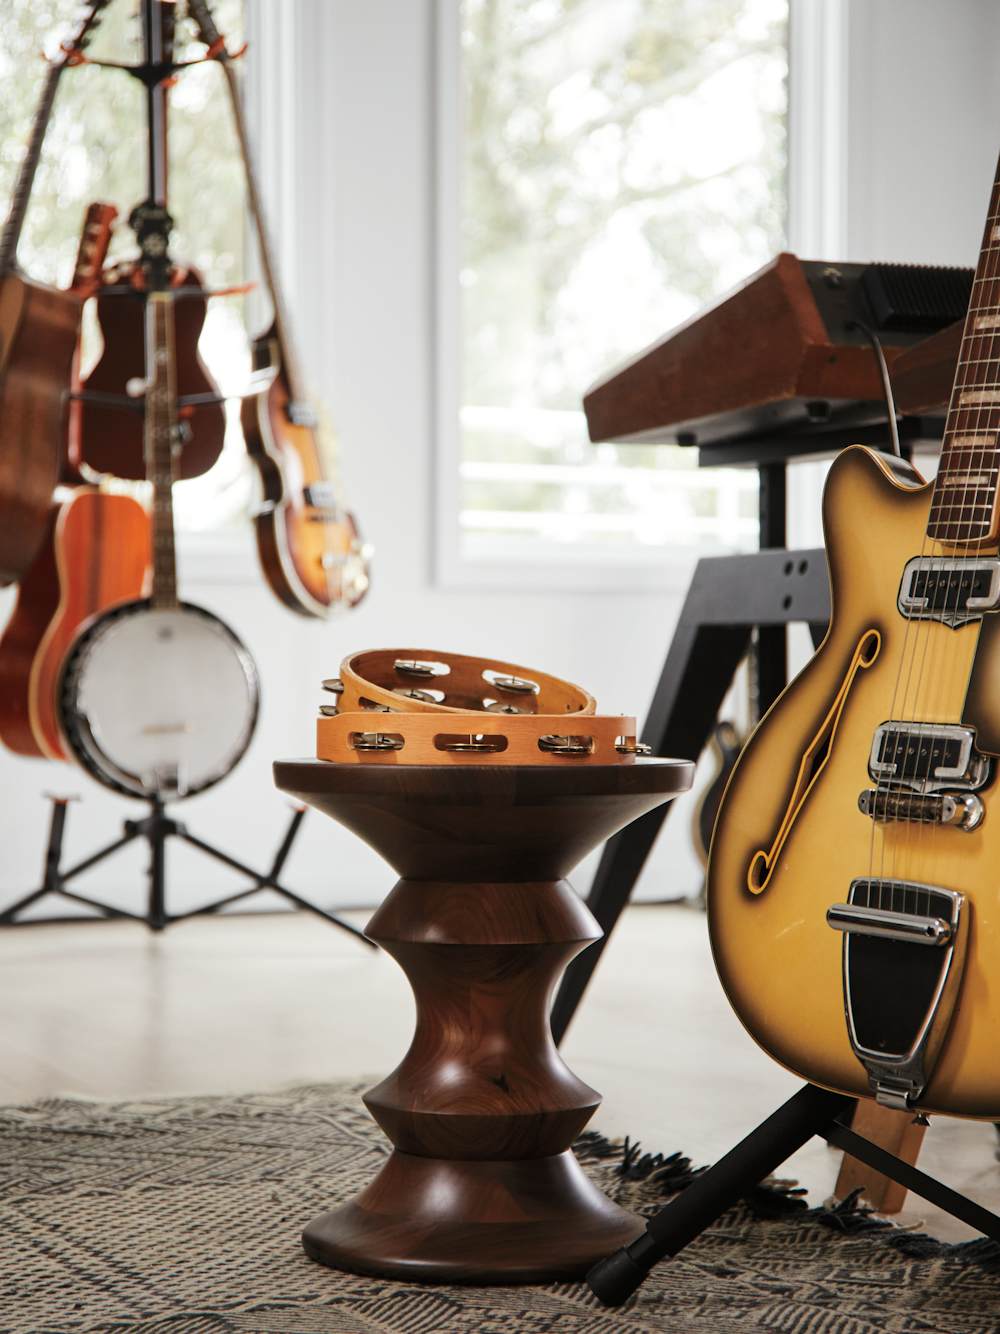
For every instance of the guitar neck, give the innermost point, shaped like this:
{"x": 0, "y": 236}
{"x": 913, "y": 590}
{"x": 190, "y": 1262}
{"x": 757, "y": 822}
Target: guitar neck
{"x": 282, "y": 331}
{"x": 14, "y": 223}
{"x": 161, "y": 442}
{"x": 964, "y": 509}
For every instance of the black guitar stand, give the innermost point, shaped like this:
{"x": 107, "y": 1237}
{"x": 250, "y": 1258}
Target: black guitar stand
{"x": 155, "y": 829}
{"x": 811, "y": 1111}
{"x": 734, "y": 604}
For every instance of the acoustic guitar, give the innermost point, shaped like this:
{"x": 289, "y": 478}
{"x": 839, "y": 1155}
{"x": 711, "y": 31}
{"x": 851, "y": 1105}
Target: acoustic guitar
{"x": 853, "y": 879}
{"x": 309, "y": 545}
{"x": 94, "y": 554}
{"x": 39, "y": 326}
{"x": 109, "y": 425}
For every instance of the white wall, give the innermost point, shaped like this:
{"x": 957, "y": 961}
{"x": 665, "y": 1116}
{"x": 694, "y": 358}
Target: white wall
{"x": 359, "y": 232}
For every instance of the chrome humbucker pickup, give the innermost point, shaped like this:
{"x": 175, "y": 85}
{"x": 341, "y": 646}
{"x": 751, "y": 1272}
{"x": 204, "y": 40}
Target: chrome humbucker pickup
{"x": 927, "y": 757}
{"x": 951, "y": 589}
{"x": 903, "y": 955}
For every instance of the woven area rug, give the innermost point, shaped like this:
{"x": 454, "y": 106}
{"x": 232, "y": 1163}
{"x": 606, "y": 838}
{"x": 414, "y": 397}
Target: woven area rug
{"x": 183, "y": 1216}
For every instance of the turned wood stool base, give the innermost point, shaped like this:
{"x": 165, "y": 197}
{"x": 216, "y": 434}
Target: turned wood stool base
{"x": 482, "y": 1186}
{"x": 441, "y": 1221}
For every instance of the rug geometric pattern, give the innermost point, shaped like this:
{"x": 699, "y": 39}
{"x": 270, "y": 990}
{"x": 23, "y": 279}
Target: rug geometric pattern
{"x": 182, "y": 1216}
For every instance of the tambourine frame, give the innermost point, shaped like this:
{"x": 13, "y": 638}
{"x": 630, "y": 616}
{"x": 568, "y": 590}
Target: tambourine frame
{"x": 409, "y": 680}
{"x": 450, "y": 737}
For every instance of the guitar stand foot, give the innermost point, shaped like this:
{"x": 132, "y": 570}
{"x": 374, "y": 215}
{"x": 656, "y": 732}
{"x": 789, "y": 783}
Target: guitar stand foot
{"x": 810, "y": 1111}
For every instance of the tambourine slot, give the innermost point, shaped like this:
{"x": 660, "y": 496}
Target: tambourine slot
{"x": 373, "y": 706}
{"x": 474, "y": 742}
{"x": 629, "y": 745}
{"x": 375, "y": 741}
{"x": 557, "y": 744}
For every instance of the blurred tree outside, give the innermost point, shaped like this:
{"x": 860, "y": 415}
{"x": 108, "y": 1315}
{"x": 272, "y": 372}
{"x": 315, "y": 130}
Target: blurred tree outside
{"x": 622, "y": 164}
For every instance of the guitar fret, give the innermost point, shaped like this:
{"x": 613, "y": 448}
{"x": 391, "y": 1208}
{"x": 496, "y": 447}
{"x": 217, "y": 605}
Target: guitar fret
{"x": 966, "y": 479}
{"x": 962, "y": 506}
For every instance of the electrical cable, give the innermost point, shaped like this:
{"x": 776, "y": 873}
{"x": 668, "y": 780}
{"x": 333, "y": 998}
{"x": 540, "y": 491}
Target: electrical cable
{"x": 890, "y": 402}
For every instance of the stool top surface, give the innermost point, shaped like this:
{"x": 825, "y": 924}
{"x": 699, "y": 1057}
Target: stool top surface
{"x": 652, "y": 774}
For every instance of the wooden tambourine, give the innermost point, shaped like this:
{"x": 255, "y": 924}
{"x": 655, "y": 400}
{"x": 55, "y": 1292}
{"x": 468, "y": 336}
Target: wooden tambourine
{"x": 419, "y": 706}
{"x": 424, "y": 680}
{"x": 457, "y": 738}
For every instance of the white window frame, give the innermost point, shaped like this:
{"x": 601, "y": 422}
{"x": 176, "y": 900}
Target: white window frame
{"x": 817, "y": 173}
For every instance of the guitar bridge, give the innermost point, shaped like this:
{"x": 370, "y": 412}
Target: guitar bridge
{"x": 904, "y": 950}
{"x": 888, "y": 805}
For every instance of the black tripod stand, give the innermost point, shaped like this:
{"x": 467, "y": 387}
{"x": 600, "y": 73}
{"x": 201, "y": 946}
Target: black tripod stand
{"x": 811, "y": 1111}
{"x": 155, "y": 828}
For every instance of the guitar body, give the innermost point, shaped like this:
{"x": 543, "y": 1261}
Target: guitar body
{"x": 310, "y": 553}
{"x": 790, "y": 825}
{"x": 108, "y": 438}
{"x": 94, "y": 556}
{"x": 38, "y": 333}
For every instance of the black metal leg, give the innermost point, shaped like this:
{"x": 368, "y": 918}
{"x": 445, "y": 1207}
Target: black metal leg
{"x": 156, "y": 837}
{"x": 771, "y": 652}
{"x": 729, "y": 595}
{"x": 807, "y": 1112}
{"x": 927, "y": 1187}
{"x": 155, "y": 829}
{"x": 696, "y": 675}
{"x": 53, "y": 856}
{"x": 291, "y": 833}
{"x": 268, "y": 881}
{"x": 811, "y": 1111}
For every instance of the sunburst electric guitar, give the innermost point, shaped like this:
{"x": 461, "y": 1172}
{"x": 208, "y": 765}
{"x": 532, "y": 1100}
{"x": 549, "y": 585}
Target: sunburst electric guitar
{"x": 854, "y": 877}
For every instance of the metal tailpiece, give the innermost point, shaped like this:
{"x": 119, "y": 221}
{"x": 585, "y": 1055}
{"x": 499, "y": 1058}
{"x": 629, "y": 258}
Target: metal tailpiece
{"x": 903, "y": 955}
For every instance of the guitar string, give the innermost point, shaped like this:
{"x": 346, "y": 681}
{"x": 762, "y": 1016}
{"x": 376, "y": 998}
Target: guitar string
{"x": 903, "y": 844}
{"x": 920, "y": 708}
{"x": 976, "y": 349}
{"x": 931, "y": 704}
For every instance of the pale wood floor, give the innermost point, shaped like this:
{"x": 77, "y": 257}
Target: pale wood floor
{"x": 254, "y": 1002}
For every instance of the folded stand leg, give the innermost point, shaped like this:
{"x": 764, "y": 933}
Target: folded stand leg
{"x": 810, "y": 1111}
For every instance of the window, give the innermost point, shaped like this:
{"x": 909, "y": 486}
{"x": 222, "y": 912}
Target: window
{"x": 619, "y": 163}
{"x": 95, "y": 150}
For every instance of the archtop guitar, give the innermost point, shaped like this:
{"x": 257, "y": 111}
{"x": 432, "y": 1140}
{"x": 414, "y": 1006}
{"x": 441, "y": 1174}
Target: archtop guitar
{"x": 854, "y": 877}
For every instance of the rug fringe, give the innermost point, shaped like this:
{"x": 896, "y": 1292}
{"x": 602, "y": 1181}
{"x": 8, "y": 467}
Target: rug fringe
{"x": 780, "y": 1198}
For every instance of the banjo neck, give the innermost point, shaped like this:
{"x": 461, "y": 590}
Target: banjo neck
{"x": 161, "y": 442}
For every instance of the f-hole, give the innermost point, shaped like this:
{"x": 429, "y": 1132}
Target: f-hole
{"x": 813, "y": 762}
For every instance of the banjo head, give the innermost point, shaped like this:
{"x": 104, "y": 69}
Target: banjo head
{"x": 158, "y": 701}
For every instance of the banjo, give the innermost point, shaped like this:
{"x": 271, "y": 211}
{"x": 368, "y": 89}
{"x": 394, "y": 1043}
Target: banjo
{"x": 158, "y": 698}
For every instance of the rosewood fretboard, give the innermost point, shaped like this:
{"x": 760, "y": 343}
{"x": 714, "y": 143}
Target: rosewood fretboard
{"x": 964, "y": 509}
